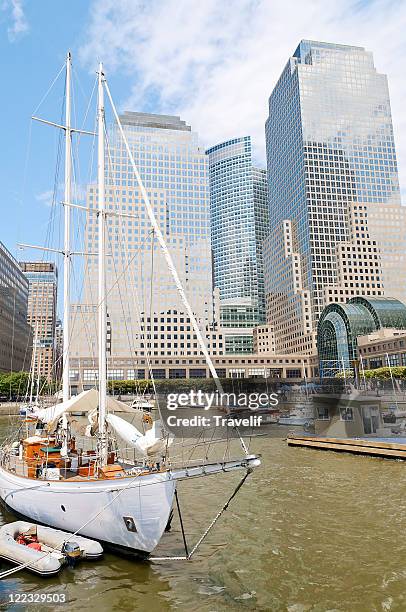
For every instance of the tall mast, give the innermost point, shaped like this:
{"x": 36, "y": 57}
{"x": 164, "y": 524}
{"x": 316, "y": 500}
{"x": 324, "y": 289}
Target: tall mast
{"x": 33, "y": 362}
{"x": 66, "y": 246}
{"x": 102, "y": 274}
{"x": 38, "y": 378}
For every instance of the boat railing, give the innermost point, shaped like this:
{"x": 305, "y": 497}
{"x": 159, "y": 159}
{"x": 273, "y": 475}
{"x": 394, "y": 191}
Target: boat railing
{"x": 82, "y": 465}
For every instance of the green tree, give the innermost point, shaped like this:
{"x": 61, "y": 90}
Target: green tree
{"x": 384, "y": 373}
{"x": 14, "y": 384}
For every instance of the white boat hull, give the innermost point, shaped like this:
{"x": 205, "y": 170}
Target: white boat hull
{"x": 99, "y": 509}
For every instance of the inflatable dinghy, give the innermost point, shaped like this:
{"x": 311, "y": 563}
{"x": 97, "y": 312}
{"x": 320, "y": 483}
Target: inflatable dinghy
{"x": 43, "y": 549}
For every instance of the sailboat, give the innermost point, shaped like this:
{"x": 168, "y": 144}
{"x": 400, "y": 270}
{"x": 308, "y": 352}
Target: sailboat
{"x": 99, "y": 493}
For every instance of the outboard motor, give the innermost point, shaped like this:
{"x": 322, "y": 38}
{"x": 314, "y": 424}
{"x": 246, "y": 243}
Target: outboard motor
{"x": 72, "y": 552}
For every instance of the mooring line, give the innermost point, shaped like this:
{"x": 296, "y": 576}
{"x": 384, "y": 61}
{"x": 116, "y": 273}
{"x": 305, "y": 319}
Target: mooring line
{"x": 209, "y": 528}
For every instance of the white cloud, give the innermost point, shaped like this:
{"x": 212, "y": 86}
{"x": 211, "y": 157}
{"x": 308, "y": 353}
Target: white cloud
{"x": 46, "y": 197}
{"x": 215, "y": 63}
{"x": 19, "y": 24}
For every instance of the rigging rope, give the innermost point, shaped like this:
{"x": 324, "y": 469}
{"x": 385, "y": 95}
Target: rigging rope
{"x": 209, "y": 528}
{"x": 50, "y": 88}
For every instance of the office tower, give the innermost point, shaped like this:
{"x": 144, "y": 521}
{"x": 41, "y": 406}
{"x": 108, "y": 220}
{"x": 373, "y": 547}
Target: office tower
{"x": 145, "y": 313}
{"x": 239, "y": 224}
{"x": 333, "y": 185}
{"x": 15, "y": 333}
{"x": 42, "y": 296}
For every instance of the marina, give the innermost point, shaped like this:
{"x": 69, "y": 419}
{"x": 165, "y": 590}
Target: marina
{"x": 202, "y": 308}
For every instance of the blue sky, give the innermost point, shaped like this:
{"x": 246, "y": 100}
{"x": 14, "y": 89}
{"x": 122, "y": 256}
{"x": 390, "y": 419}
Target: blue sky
{"x": 214, "y": 63}
{"x": 29, "y": 61}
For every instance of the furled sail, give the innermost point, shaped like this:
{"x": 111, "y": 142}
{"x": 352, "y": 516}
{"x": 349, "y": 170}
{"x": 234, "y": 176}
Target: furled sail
{"x": 77, "y": 403}
{"x": 148, "y": 444}
{"x": 86, "y": 402}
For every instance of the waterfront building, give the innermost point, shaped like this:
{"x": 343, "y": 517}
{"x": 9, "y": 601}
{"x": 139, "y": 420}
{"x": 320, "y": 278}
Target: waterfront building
{"x": 293, "y": 368}
{"x": 42, "y": 312}
{"x": 333, "y": 190}
{"x": 15, "y": 333}
{"x": 385, "y": 347}
{"x": 145, "y": 313}
{"x": 239, "y": 224}
{"x": 341, "y": 325}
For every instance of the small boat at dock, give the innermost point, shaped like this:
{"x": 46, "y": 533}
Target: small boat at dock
{"x": 299, "y": 417}
{"x": 43, "y": 550}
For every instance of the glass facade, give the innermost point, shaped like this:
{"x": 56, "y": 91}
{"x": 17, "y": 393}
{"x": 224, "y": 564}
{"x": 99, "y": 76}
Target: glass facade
{"x": 144, "y": 306}
{"x": 239, "y": 224}
{"x": 338, "y": 329}
{"x": 340, "y": 326}
{"x": 330, "y": 144}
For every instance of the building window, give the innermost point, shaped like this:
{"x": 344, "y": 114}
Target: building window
{"x": 293, "y": 374}
{"x": 393, "y": 360}
{"x": 197, "y": 373}
{"x": 256, "y": 372}
{"x": 115, "y": 374}
{"x": 221, "y": 373}
{"x": 323, "y": 413}
{"x": 156, "y": 373}
{"x": 90, "y": 375}
{"x": 135, "y": 374}
{"x": 236, "y": 372}
{"x": 346, "y": 414}
{"x": 177, "y": 373}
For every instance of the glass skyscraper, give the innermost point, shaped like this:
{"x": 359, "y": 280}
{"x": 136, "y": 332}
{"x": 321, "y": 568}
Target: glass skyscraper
{"x": 144, "y": 307}
{"x": 331, "y": 159}
{"x": 239, "y": 224}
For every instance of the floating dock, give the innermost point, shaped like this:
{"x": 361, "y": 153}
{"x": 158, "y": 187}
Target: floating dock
{"x": 377, "y": 447}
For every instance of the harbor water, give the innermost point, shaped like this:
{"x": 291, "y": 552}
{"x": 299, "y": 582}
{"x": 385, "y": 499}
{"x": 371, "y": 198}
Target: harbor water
{"x": 309, "y": 531}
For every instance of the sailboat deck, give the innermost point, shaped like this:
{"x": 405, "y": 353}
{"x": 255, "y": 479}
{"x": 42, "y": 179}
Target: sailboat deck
{"x": 34, "y": 470}
{"x": 19, "y": 466}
